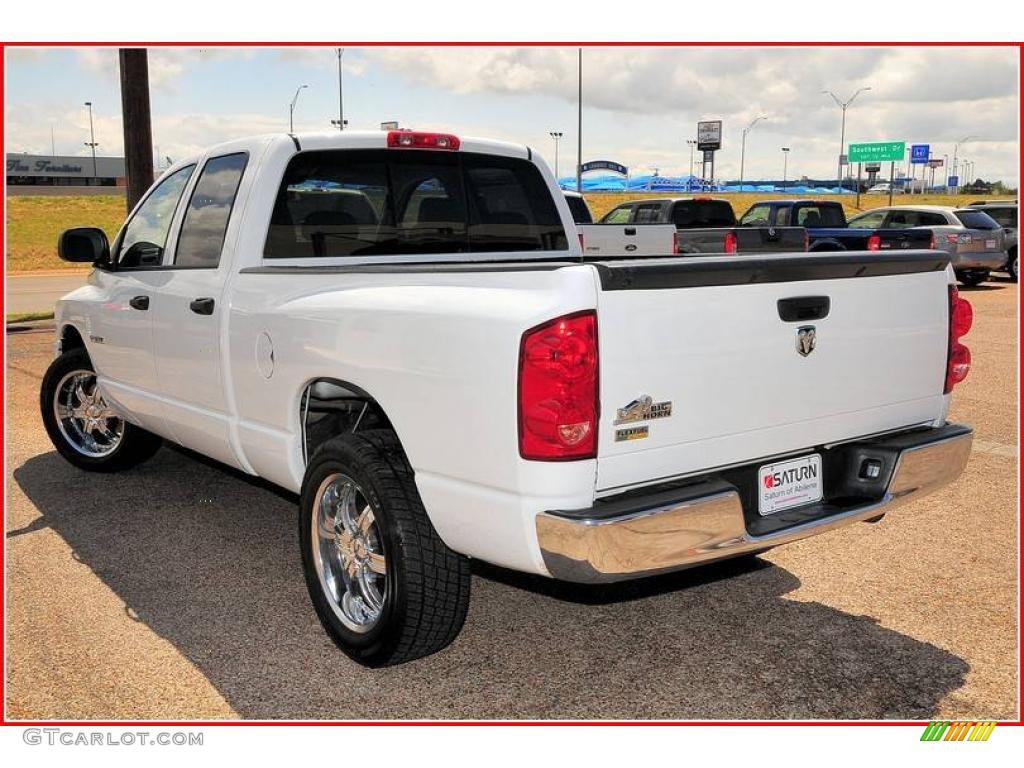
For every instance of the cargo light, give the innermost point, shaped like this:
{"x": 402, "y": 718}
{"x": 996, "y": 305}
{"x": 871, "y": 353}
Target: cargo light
{"x": 558, "y": 396}
{"x": 730, "y": 242}
{"x": 875, "y": 242}
{"x": 419, "y": 140}
{"x": 958, "y": 359}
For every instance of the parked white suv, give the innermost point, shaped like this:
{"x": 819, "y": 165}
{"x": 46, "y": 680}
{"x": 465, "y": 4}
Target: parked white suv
{"x": 401, "y": 328}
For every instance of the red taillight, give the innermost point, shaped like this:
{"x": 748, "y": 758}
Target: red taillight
{"x": 418, "y": 140}
{"x": 807, "y": 240}
{"x": 583, "y": 242}
{"x": 875, "y": 242}
{"x": 675, "y": 242}
{"x": 931, "y": 242}
{"x": 558, "y": 407}
{"x": 730, "y": 242}
{"x": 958, "y": 361}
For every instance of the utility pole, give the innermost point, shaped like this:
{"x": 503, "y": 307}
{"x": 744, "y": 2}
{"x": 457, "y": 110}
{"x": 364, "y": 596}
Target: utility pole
{"x": 291, "y": 109}
{"x": 743, "y": 145}
{"x": 785, "y": 161}
{"x": 579, "y": 123}
{"x": 556, "y": 135}
{"x": 842, "y": 131}
{"x": 138, "y": 133}
{"x": 91, "y": 143}
{"x": 53, "y": 144}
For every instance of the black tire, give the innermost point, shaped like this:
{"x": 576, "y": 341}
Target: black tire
{"x": 972, "y": 279}
{"x": 426, "y": 590}
{"x": 1011, "y": 264}
{"x": 136, "y": 444}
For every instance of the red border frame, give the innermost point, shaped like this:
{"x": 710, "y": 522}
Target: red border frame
{"x": 4, "y": 722}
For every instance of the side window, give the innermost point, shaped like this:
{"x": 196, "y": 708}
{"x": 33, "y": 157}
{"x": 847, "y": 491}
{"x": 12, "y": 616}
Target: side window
{"x": 871, "y": 220}
{"x": 145, "y": 237}
{"x": 900, "y": 220}
{"x": 511, "y": 208}
{"x": 618, "y": 216}
{"x": 925, "y": 219}
{"x": 206, "y": 219}
{"x": 758, "y": 216}
{"x": 1005, "y": 217}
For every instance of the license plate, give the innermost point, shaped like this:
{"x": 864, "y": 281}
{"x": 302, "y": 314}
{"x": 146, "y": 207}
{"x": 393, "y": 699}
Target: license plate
{"x": 990, "y": 243}
{"x": 789, "y": 483}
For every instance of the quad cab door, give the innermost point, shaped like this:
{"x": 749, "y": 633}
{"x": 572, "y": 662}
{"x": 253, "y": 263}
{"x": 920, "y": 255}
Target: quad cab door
{"x": 120, "y": 325}
{"x": 188, "y": 313}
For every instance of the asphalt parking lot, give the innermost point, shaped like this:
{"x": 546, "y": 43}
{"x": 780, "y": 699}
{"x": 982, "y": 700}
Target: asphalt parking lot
{"x": 175, "y": 591}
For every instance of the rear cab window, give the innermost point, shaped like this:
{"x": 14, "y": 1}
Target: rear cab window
{"x": 353, "y": 203}
{"x": 819, "y": 215}
{"x": 205, "y": 224}
{"x": 976, "y": 219}
{"x": 696, "y": 214}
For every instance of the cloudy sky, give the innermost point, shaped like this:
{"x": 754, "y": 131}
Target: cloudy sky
{"x": 640, "y": 105}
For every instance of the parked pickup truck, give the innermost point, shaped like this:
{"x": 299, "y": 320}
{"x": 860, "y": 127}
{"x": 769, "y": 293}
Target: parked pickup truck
{"x": 827, "y": 230}
{"x": 703, "y": 225}
{"x": 401, "y": 328}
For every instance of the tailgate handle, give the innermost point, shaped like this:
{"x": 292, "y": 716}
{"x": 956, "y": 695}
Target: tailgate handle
{"x": 630, "y": 230}
{"x": 801, "y": 308}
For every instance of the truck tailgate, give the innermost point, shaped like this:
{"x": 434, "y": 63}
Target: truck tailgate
{"x": 699, "y": 369}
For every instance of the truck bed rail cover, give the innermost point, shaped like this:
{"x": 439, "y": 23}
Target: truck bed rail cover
{"x": 693, "y": 272}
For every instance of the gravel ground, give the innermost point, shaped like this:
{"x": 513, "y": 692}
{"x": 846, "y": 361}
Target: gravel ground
{"x": 175, "y": 591}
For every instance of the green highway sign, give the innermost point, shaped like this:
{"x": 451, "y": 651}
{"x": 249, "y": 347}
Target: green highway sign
{"x": 878, "y": 152}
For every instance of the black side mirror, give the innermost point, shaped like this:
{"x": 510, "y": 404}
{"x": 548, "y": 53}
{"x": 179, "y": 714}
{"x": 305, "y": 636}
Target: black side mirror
{"x": 84, "y": 244}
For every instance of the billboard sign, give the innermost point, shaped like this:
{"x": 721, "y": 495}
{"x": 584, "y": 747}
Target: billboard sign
{"x": 935, "y": 163}
{"x": 709, "y": 135}
{"x": 873, "y": 167}
{"x": 919, "y": 153}
{"x": 605, "y": 165}
{"x": 878, "y": 152}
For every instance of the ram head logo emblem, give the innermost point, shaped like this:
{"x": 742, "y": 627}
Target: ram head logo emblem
{"x": 806, "y": 339}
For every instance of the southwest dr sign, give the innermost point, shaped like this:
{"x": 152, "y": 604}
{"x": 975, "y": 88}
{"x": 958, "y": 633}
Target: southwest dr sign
{"x": 878, "y": 152}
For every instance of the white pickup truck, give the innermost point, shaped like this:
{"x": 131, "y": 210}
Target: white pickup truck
{"x": 401, "y": 328}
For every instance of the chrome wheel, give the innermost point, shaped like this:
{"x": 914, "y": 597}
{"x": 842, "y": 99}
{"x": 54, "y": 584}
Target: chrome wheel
{"x": 86, "y": 422}
{"x": 348, "y": 552}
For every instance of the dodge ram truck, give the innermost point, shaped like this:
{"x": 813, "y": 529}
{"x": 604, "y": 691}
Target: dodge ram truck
{"x": 703, "y": 225}
{"x": 827, "y": 229}
{"x": 402, "y": 329}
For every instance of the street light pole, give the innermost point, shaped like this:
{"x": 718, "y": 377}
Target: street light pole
{"x": 291, "y": 109}
{"x": 579, "y": 123}
{"x": 92, "y": 140}
{"x": 785, "y": 161}
{"x": 692, "y": 143}
{"x": 956, "y": 148}
{"x": 341, "y": 95}
{"x": 556, "y": 135}
{"x": 743, "y": 145}
{"x": 842, "y": 130}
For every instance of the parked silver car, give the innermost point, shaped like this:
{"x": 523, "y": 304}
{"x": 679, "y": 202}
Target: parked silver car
{"x": 1005, "y": 214}
{"x": 973, "y": 239}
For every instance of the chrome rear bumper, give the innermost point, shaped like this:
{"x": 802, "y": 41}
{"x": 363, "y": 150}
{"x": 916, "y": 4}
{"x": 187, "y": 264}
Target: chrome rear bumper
{"x": 649, "y": 535}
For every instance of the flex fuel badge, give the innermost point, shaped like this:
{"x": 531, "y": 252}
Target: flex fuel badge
{"x": 631, "y": 433}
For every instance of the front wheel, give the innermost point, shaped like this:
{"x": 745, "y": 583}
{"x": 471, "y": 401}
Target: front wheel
{"x": 81, "y": 426}
{"x": 972, "y": 279}
{"x": 383, "y": 584}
